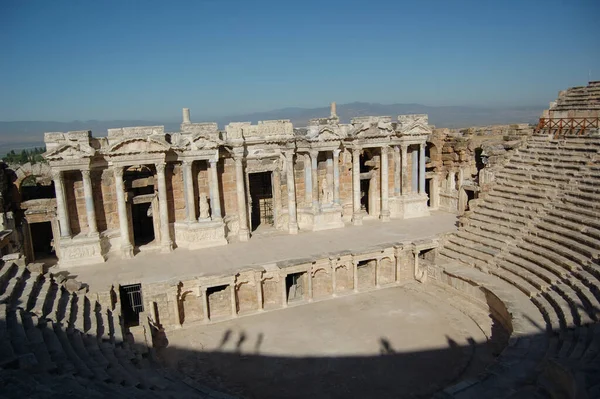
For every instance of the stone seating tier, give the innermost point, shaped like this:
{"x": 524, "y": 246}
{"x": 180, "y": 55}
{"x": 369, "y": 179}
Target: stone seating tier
{"x": 537, "y": 232}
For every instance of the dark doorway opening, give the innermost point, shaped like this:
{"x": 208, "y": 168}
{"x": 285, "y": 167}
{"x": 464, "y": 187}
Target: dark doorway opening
{"x": 470, "y": 196}
{"x": 261, "y": 196}
{"x": 364, "y": 194}
{"x": 294, "y": 286}
{"x": 41, "y": 239}
{"x": 131, "y": 304}
{"x": 143, "y": 223}
{"x": 428, "y": 183}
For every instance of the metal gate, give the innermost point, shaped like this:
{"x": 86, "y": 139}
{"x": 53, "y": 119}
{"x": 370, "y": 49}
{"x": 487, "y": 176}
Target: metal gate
{"x": 133, "y": 295}
{"x": 265, "y": 203}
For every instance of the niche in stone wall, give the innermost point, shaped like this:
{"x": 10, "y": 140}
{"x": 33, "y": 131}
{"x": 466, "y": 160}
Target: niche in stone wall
{"x": 387, "y": 272}
{"x": 191, "y": 304}
{"x": 219, "y": 301}
{"x": 321, "y": 284}
{"x": 296, "y": 286}
{"x": 344, "y": 280}
{"x": 271, "y": 293}
{"x": 246, "y": 297}
{"x": 365, "y": 271}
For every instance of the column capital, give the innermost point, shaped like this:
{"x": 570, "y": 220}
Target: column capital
{"x": 337, "y": 151}
{"x": 160, "y": 166}
{"x": 356, "y": 151}
{"x": 213, "y": 161}
{"x": 57, "y": 175}
{"x": 396, "y": 149}
{"x": 85, "y": 173}
{"x": 314, "y": 153}
{"x": 187, "y": 162}
{"x": 384, "y": 146}
{"x": 118, "y": 171}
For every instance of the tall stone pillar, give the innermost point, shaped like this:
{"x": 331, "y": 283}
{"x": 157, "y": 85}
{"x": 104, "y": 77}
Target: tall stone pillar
{"x": 404, "y": 183}
{"x": 215, "y": 196}
{"x": 336, "y": 176}
{"x": 244, "y": 233}
{"x": 422, "y": 168}
{"x": 276, "y": 180}
{"x": 385, "y": 184}
{"x": 356, "y": 215}
{"x": 61, "y": 203}
{"x": 291, "y": 192}
{"x": 89, "y": 203}
{"x": 415, "y": 169}
{"x": 165, "y": 233}
{"x": 188, "y": 187}
{"x": 186, "y": 115}
{"x": 126, "y": 247}
{"x": 397, "y": 171}
{"x": 451, "y": 180}
{"x": 308, "y": 194}
{"x": 315, "y": 179}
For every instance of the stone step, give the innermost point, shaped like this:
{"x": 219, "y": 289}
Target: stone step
{"x": 578, "y": 308}
{"x": 15, "y": 286}
{"x": 16, "y": 331}
{"x": 547, "y": 277}
{"x": 59, "y": 357}
{"x": 81, "y": 367}
{"x": 563, "y": 309}
{"x": 575, "y": 235}
{"x": 592, "y": 302}
{"x": 478, "y": 252}
{"x": 480, "y": 239}
{"x": 516, "y": 280}
{"x": 552, "y": 319}
{"x": 490, "y": 220}
{"x": 518, "y": 194}
{"x": 77, "y": 344}
{"x": 572, "y": 204}
{"x": 8, "y": 271}
{"x": 567, "y": 224}
{"x": 507, "y": 193}
{"x": 525, "y": 251}
{"x": 491, "y": 228}
{"x": 569, "y": 341}
{"x": 556, "y": 247}
{"x": 36, "y": 343}
{"x": 7, "y": 354}
{"x": 58, "y": 305}
{"x": 580, "y": 344}
{"x": 499, "y": 239}
{"x": 509, "y": 201}
{"x": 42, "y": 296}
{"x": 576, "y": 246}
{"x": 128, "y": 379}
{"x": 528, "y": 189}
{"x": 519, "y": 213}
{"x": 531, "y": 179}
{"x": 452, "y": 255}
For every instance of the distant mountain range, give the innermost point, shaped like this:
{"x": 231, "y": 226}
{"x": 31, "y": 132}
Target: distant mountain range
{"x": 25, "y": 134}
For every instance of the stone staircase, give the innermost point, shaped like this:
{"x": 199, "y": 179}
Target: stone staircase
{"x": 535, "y": 237}
{"x": 56, "y": 337}
{"x": 578, "y": 98}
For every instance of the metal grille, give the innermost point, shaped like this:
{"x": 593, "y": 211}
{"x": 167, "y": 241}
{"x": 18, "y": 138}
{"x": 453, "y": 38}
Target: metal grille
{"x": 134, "y": 297}
{"x": 567, "y": 126}
{"x": 266, "y": 209}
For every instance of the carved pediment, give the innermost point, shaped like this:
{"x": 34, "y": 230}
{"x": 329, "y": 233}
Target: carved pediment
{"x": 69, "y": 152}
{"x": 138, "y": 145}
{"x": 413, "y": 124}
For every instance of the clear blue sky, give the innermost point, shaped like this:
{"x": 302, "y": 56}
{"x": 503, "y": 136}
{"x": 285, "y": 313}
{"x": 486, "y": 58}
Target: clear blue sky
{"x": 80, "y": 59}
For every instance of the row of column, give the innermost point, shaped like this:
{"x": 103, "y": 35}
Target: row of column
{"x": 311, "y": 180}
{"x": 62, "y": 209}
{"x": 400, "y": 177}
{"x": 214, "y": 194}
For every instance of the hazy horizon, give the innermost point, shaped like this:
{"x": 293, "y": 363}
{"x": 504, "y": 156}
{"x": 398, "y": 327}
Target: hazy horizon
{"x": 115, "y": 60}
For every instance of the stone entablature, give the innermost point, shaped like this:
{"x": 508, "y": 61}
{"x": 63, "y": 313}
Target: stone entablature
{"x": 200, "y": 177}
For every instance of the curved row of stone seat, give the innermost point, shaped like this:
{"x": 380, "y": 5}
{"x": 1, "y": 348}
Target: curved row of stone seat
{"x": 53, "y": 326}
{"x": 543, "y": 242}
{"x": 577, "y": 98}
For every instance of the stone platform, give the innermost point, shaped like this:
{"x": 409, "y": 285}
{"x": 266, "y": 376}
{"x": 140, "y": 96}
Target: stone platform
{"x": 182, "y": 263}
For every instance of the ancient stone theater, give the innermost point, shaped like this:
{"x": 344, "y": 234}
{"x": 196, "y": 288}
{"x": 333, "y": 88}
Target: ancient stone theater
{"x": 377, "y": 257}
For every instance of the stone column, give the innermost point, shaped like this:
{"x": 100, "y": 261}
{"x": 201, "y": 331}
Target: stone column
{"x": 310, "y": 284}
{"x": 165, "y": 234}
{"x": 215, "y": 196}
{"x": 291, "y": 192}
{"x": 377, "y": 265}
{"x": 385, "y": 184}
{"x": 356, "y": 215}
{"x": 333, "y": 278}
{"x": 186, "y": 115}
{"x": 276, "y": 196}
{"x": 188, "y": 187}
{"x": 205, "y": 310}
{"x": 415, "y": 169}
{"x": 328, "y": 179}
{"x": 355, "y": 266}
{"x": 233, "y": 300}
{"x": 283, "y": 291}
{"x": 315, "y": 180}
{"x": 397, "y": 171}
{"x": 89, "y": 203}
{"x": 404, "y": 183}
{"x": 126, "y": 247}
{"x": 451, "y": 180}
{"x": 244, "y": 233}
{"x": 336, "y": 176}
{"x": 422, "y": 168}
{"x": 307, "y": 181}
{"x": 259, "y": 295}
{"x": 61, "y": 204}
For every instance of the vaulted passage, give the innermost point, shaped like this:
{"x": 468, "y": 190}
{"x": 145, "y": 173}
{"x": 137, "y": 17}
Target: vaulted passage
{"x": 143, "y": 223}
{"x": 42, "y": 240}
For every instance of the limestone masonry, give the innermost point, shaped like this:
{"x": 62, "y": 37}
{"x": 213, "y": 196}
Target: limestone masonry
{"x": 522, "y": 262}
